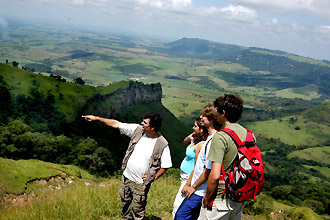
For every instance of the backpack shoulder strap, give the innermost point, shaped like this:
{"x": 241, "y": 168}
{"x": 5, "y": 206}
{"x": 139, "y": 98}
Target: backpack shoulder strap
{"x": 234, "y": 136}
{"x": 207, "y": 144}
{"x": 249, "y": 136}
{"x": 250, "y": 142}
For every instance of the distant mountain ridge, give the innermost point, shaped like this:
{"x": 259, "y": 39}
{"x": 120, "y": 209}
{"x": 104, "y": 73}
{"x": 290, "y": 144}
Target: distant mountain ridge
{"x": 266, "y": 68}
{"x": 203, "y": 49}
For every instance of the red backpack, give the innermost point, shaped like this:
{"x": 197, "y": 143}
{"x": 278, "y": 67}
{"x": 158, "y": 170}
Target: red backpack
{"x": 246, "y": 177}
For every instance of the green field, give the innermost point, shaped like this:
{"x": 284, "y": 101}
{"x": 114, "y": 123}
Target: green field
{"x": 321, "y": 154}
{"x": 101, "y": 59}
{"x": 292, "y": 130}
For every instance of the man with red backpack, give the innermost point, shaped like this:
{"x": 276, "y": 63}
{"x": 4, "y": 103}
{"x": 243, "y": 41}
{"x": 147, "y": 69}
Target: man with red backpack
{"x": 237, "y": 169}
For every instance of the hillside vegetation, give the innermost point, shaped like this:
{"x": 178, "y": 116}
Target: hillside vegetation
{"x": 58, "y": 193}
{"x": 198, "y": 68}
{"x": 68, "y": 98}
{"x": 41, "y": 124}
{"x": 100, "y": 149}
{"x": 18, "y": 176}
{"x": 286, "y": 100}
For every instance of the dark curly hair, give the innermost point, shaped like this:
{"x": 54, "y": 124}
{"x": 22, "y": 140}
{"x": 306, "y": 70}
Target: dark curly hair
{"x": 155, "y": 120}
{"x": 205, "y": 131}
{"x": 231, "y": 104}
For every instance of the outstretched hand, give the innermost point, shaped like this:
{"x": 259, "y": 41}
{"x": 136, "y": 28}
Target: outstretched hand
{"x": 89, "y": 117}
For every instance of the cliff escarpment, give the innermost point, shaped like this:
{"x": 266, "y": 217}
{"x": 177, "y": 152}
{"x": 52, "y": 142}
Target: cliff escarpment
{"x": 109, "y": 105}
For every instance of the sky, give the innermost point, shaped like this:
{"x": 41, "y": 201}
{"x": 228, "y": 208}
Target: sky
{"x": 301, "y": 27}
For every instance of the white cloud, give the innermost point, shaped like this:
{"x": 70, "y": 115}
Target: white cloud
{"x": 235, "y": 13}
{"x": 318, "y": 8}
{"x": 167, "y": 4}
{"x": 322, "y": 34}
{"x": 78, "y": 2}
{"x": 239, "y": 13}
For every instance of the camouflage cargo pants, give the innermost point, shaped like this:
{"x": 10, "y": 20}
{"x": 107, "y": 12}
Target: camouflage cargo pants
{"x": 133, "y": 199}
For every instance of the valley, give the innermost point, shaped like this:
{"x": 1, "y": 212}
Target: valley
{"x": 66, "y": 72}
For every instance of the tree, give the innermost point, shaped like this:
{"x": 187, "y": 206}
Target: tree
{"x": 281, "y": 192}
{"x": 5, "y": 104}
{"x": 79, "y": 80}
{"x": 15, "y": 64}
{"x": 316, "y": 206}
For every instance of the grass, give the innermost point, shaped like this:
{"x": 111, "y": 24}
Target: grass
{"x": 294, "y": 212}
{"x": 16, "y": 174}
{"x": 75, "y": 202}
{"x": 99, "y": 200}
{"x": 305, "y": 132}
{"x": 308, "y": 92}
{"x": 320, "y": 154}
{"x": 325, "y": 171}
{"x": 92, "y": 198}
{"x": 185, "y": 101}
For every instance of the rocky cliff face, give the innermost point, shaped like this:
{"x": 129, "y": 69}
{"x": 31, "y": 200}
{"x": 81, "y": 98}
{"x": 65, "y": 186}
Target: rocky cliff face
{"x": 111, "y": 104}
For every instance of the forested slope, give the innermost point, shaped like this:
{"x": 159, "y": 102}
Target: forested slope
{"x": 41, "y": 119}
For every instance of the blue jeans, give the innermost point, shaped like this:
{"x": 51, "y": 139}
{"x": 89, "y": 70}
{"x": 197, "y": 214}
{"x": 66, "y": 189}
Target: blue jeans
{"x": 189, "y": 208}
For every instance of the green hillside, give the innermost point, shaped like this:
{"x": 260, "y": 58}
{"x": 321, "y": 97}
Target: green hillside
{"x": 42, "y": 119}
{"x": 309, "y": 128}
{"x": 32, "y": 189}
{"x": 68, "y": 97}
{"x": 204, "y": 49}
{"x": 192, "y": 71}
{"x": 263, "y": 68}
{"x": 321, "y": 154}
{"x": 18, "y": 175}
{"x": 286, "y": 100}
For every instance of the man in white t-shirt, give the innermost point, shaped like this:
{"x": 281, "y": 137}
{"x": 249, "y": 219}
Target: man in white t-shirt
{"x": 147, "y": 158}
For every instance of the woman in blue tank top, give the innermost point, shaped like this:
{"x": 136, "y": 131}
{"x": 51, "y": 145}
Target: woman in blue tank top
{"x": 194, "y": 141}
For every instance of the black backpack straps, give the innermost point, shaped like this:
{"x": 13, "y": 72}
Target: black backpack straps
{"x": 207, "y": 144}
{"x": 206, "y": 149}
{"x": 234, "y": 136}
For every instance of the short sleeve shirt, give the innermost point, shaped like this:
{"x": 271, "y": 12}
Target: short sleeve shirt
{"x": 138, "y": 163}
{"x": 223, "y": 148}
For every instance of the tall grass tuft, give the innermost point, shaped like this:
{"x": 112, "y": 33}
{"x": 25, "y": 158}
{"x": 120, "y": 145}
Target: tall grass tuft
{"x": 96, "y": 200}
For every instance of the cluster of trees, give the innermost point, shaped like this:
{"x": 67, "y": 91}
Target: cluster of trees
{"x": 58, "y": 78}
{"x": 290, "y": 181}
{"x": 30, "y": 127}
{"x": 14, "y": 63}
{"x": 20, "y": 141}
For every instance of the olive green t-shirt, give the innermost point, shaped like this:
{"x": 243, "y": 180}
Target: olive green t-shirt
{"x": 223, "y": 149}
